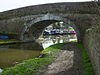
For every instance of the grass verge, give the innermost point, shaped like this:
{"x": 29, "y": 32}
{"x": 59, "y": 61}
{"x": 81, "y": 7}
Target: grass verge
{"x": 8, "y": 41}
{"x": 87, "y": 66}
{"x": 31, "y": 67}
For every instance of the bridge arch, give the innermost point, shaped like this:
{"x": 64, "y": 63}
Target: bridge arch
{"x": 82, "y": 16}
{"x": 34, "y": 28}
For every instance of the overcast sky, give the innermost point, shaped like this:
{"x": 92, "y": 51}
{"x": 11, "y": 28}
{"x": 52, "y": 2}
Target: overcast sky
{"x": 12, "y": 4}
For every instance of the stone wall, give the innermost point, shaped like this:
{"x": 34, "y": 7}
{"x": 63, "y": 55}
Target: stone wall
{"x": 69, "y": 7}
{"x": 92, "y": 44}
{"x": 79, "y": 13}
{"x": 16, "y": 25}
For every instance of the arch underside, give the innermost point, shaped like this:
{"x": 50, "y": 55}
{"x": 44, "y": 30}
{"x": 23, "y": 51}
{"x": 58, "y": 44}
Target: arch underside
{"x": 34, "y": 29}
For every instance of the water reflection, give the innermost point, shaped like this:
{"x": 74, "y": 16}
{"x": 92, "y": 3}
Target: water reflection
{"x": 13, "y": 54}
{"x": 48, "y": 40}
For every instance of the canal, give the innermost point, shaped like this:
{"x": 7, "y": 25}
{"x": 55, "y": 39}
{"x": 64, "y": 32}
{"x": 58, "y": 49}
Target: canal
{"x": 11, "y": 55}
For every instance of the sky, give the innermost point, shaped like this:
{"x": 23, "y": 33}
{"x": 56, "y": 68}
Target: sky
{"x": 13, "y": 4}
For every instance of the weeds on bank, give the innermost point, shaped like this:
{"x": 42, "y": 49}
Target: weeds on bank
{"x": 5, "y": 41}
{"x": 87, "y": 66}
{"x": 28, "y": 67}
{"x": 53, "y": 48}
{"x": 32, "y": 66}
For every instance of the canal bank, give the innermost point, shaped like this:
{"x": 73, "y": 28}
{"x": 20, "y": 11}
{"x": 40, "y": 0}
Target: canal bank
{"x": 14, "y": 53}
{"x": 59, "y": 59}
{"x": 8, "y": 41}
{"x": 32, "y": 66}
{"x": 13, "y": 41}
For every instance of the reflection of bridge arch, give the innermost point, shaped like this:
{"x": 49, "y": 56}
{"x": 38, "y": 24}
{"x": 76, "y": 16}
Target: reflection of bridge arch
{"x": 34, "y": 29}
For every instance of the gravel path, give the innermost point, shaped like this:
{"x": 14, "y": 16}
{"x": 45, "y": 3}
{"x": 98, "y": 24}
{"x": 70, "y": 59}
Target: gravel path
{"x": 67, "y": 63}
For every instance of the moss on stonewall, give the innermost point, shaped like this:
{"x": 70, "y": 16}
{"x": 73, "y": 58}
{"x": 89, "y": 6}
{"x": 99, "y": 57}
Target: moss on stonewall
{"x": 87, "y": 66}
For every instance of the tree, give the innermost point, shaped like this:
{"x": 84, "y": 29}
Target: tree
{"x": 56, "y": 25}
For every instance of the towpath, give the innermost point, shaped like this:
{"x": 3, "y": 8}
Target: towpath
{"x": 67, "y": 63}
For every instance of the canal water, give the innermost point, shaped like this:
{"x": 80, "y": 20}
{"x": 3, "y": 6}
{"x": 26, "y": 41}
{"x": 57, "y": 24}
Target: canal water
{"x": 11, "y": 55}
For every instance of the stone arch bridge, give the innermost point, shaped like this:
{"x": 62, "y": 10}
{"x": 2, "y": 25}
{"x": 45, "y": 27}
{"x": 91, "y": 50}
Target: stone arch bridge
{"x": 29, "y": 22}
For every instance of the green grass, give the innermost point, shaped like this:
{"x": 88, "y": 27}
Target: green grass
{"x": 32, "y": 66}
{"x": 87, "y": 66}
{"x": 28, "y": 67}
{"x": 7, "y": 41}
{"x": 73, "y": 41}
{"x": 53, "y": 48}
